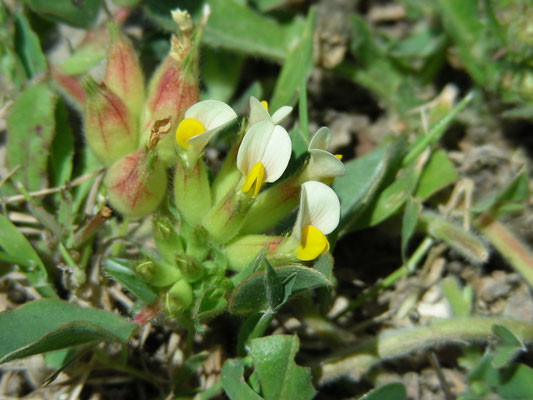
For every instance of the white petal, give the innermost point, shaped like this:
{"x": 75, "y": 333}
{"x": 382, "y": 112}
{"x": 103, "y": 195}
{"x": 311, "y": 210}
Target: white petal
{"x": 267, "y": 143}
{"x": 322, "y": 164}
{"x": 320, "y": 139}
{"x": 214, "y": 115}
{"x": 319, "y": 206}
{"x": 277, "y": 154}
{"x": 281, "y": 114}
{"x": 253, "y": 145}
{"x": 211, "y": 113}
{"x": 258, "y": 112}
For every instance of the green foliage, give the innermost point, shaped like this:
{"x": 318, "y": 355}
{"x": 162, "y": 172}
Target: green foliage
{"x": 394, "y": 391}
{"x": 280, "y": 377}
{"x": 437, "y": 174}
{"x": 82, "y": 15}
{"x": 120, "y": 270}
{"x": 296, "y": 68}
{"x": 28, "y": 47}
{"x": 22, "y": 253}
{"x": 31, "y": 122}
{"x": 251, "y": 294}
{"x": 47, "y": 325}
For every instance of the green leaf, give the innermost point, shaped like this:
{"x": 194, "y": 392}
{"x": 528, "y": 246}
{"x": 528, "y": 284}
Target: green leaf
{"x": 515, "y": 192}
{"x": 362, "y": 179}
{"x": 83, "y": 59}
{"x": 516, "y": 385}
{"x": 251, "y": 294}
{"x": 409, "y": 223}
{"x": 390, "y": 391}
{"x": 273, "y": 286}
{"x": 221, "y": 71}
{"x": 436, "y": 175}
{"x": 390, "y": 199}
{"x": 47, "y": 325}
{"x": 28, "y": 47}
{"x": 31, "y": 125}
{"x": 81, "y": 14}
{"x": 459, "y": 299}
{"x": 281, "y": 378}
{"x": 236, "y": 27}
{"x": 324, "y": 264}
{"x": 296, "y": 68}
{"x": 120, "y": 270}
{"x": 508, "y": 348}
{"x": 62, "y": 151}
{"x": 233, "y": 382}
{"x": 16, "y": 245}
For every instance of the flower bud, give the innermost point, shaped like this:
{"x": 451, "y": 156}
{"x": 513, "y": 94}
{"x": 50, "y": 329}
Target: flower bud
{"x": 244, "y": 250}
{"x": 136, "y": 184}
{"x": 192, "y": 270}
{"x": 172, "y": 90}
{"x": 178, "y": 297}
{"x": 110, "y": 129}
{"x": 69, "y": 86}
{"x": 158, "y": 274}
{"x": 123, "y": 74}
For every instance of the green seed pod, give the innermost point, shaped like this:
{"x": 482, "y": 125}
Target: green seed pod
{"x": 136, "y": 184}
{"x": 110, "y": 128}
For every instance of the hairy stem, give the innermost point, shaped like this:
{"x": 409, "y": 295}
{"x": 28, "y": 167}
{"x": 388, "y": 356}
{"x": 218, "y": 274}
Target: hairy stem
{"x": 357, "y": 360}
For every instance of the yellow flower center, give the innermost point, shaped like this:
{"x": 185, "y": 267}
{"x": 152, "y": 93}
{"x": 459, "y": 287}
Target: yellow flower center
{"x": 265, "y": 104}
{"x": 187, "y": 129}
{"x": 254, "y": 178}
{"x": 312, "y": 244}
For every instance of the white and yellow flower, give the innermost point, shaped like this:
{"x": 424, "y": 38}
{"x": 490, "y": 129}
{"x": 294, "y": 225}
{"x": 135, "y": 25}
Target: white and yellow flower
{"x": 322, "y": 165}
{"x": 259, "y": 112}
{"x": 201, "y": 122}
{"x": 263, "y": 155}
{"x": 318, "y": 216}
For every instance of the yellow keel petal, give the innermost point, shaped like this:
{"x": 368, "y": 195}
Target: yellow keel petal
{"x": 187, "y": 129}
{"x": 254, "y": 178}
{"x": 313, "y": 243}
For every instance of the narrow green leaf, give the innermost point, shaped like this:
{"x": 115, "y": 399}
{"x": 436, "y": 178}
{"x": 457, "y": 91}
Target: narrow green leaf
{"x": 515, "y": 192}
{"x": 62, "y": 150}
{"x": 296, "y": 68}
{"x": 324, "y": 264}
{"x": 362, "y": 179}
{"x": 436, "y": 175}
{"x": 409, "y": 222}
{"x": 31, "y": 126}
{"x": 251, "y": 294}
{"x": 390, "y": 199}
{"x": 28, "y": 47}
{"x": 281, "y": 378}
{"x": 508, "y": 348}
{"x": 119, "y": 270}
{"x": 81, "y": 14}
{"x": 16, "y": 245}
{"x": 233, "y": 382}
{"x": 273, "y": 286}
{"x": 459, "y": 299}
{"x": 47, "y": 325}
{"x": 390, "y": 391}
{"x": 236, "y": 27}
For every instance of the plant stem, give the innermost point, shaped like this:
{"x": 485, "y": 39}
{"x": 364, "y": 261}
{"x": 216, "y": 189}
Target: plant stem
{"x": 408, "y": 267}
{"x": 508, "y": 245}
{"x": 436, "y": 132}
{"x": 359, "y": 359}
